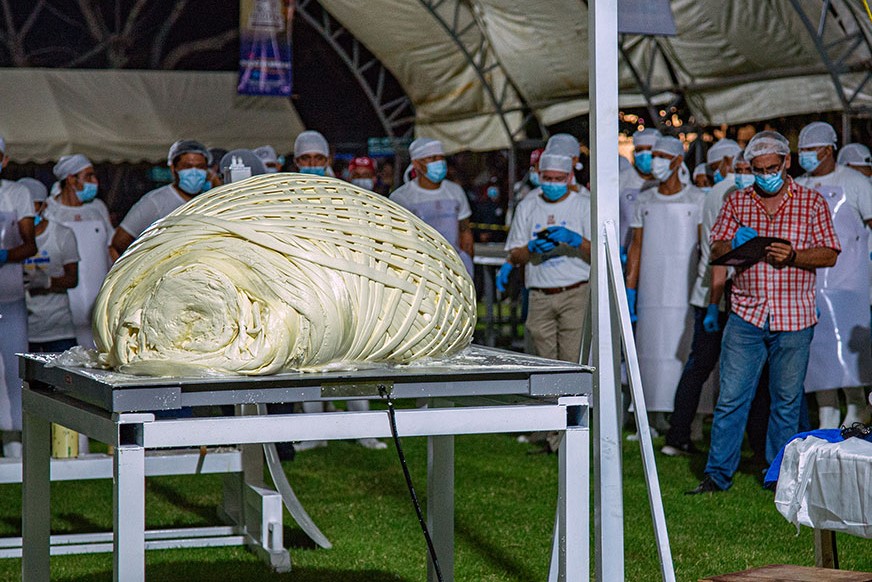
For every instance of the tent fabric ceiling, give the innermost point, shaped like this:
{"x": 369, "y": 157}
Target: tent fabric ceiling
{"x": 736, "y": 61}
{"x": 131, "y": 116}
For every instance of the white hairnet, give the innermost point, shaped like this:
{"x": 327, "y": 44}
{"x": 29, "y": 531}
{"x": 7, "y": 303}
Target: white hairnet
{"x": 725, "y": 148}
{"x": 38, "y": 191}
{"x": 646, "y": 137}
{"x": 854, "y": 154}
{"x": 555, "y": 162}
{"x": 188, "y": 146}
{"x": 767, "y": 142}
{"x": 700, "y": 170}
{"x": 267, "y": 154}
{"x": 669, "y": 145}
{"x": 311, "y": 142}
{"x": 424, "y": 147}
{"x": 564, "y": 144}
{"x": 70, "y": 165}
{"x": 817, "y": 134}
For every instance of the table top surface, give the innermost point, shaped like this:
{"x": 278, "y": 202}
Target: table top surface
{"x": 477, "y": 371}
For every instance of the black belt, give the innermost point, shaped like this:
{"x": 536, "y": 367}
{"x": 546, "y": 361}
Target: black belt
{"x": 556, "y": 290}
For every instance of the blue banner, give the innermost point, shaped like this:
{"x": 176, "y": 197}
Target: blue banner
{"x": 265, "y": 47}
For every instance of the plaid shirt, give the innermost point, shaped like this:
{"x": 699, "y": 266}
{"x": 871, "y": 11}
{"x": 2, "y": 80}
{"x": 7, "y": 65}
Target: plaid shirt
{"x": 786, "y": 297}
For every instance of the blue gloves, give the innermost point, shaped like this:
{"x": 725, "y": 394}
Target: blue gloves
{"x": 540, "y": 245}
{"x": 710, "y": 323}
{"x": 623, "y": 252}
{"x": 561, "y": 234}
{"x": 631, "y": 302}
{"x": 4, "y": 256}
{"x": 503, "y": 277}
{"x": 743, "y": 235}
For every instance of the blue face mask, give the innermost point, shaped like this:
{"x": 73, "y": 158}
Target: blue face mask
{"x": 87, "y": 193}
{"x": 37, "y": 219}
{"x": 436, "y": 171}
{"x": 809, "y": 160}
{"x": 534, "y": 178}
{"x": 191, "y": 180}
{"x": 493, "y": 192}
{"x": 744, "y": 180}
{"x": 314, "y": 170}
{"x": 769, "y": 183}
{"x": 643, "y": 161}
{"x": 365, "y": 183}
{"x": 717, "y": 176}
{"x": 706, "y": 189}
{"x": 660, "y": 169}
{"x": 554, "y": 190}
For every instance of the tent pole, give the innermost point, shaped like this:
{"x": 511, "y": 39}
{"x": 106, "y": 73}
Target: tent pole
{"x": 608, "y": 488}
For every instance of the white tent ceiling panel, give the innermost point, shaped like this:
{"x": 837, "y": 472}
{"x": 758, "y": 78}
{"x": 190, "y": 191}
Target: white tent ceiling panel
{"x": 128, "y": 116}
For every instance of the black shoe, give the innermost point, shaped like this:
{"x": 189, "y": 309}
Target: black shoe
{"x": 707, "y": 485}
{"x": 682, "y": 450}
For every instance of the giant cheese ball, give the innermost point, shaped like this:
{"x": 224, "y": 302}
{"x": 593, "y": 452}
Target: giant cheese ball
{"x": 283, "y": 272}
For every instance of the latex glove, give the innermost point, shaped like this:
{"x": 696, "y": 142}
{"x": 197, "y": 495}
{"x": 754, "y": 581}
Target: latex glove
{"x": 743, "y": 235}
{"x": 710, "y": 323}
{"x": 623, "y": 253}
{"x": 503, "y": 277}
{"x": 561, "y": 234}
{"x": 4, "y": 256}
{"x": 36, "y": 279}
{"x": 540, "y": 245}
{"x": 631, "y": 302}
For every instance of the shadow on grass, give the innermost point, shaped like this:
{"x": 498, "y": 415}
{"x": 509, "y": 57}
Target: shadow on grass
{"x": 498, "y": 557}
{"x": 227, "y": 570}
{"x": 172, "y": 495}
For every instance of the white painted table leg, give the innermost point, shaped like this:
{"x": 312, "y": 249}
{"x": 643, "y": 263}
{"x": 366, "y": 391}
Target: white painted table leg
{"x": 36, "y": 504}
{"x": 573, "y": 521}
{"x": 129, "y": 509}
{"x": 440, "y": 504}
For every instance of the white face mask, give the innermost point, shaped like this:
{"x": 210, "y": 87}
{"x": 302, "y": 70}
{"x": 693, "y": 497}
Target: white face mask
{"x": 365, "y": 183}
{"x": 660, "y": 168}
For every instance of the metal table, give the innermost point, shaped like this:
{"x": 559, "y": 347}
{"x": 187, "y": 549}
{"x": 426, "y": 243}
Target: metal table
{"x": 483, "y": 390}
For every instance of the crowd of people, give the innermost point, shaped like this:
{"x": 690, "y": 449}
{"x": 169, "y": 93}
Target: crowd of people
{"x": 797, "y": 321}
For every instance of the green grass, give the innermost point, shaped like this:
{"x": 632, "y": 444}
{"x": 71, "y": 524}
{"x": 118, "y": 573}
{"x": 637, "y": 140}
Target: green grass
{"x": 504, "y": 508}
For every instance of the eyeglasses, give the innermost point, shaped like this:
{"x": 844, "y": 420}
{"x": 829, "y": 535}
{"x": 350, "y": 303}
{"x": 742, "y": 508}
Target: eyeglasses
{"x": 773, "y": 169}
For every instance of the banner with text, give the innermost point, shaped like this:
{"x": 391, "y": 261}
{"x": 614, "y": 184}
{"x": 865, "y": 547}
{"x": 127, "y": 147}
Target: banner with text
{"x": 265, "y": 47}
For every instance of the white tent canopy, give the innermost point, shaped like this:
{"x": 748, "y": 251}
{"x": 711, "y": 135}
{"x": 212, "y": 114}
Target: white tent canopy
{"x": 472, "y": 68}
{"x": 130, "y": 116}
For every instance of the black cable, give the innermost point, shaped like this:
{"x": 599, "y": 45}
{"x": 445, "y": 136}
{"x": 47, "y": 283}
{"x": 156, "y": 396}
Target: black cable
{"x": 392, "y": 416}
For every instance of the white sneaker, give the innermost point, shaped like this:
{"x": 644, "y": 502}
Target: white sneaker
{"x": 309, "y": 445}
{"x": 373, "y": 444}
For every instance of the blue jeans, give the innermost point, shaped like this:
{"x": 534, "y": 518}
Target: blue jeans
{"x": 744, "y": 351}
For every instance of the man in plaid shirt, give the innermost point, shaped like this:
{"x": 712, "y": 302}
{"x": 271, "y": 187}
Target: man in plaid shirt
{"x": 773, "y": 303}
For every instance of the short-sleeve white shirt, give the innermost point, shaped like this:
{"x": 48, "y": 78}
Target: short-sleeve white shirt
{"x": 48, "y": 315}
{"x": 441, "y": 208}
{"x": 857, "y": 188}
{"x": 533, "y": 214}
{"x": 150, "y": 208}
{"x": 94, "y": 210}
{"x": 688, "y": 195}
{"x": 15, "y": 198}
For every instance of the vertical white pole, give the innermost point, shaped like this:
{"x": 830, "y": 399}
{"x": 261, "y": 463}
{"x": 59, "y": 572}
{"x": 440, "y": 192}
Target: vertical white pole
{"x": 608, "y": 493}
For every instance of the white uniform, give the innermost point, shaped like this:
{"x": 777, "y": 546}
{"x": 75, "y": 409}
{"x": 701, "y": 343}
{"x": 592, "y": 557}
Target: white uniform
{"x": 150, "y": 208}
{"x": 668, "y": 264}
{"x": 534, "y": 214}
{"x": 711, "y": 207}
{"x": 441, "y": 208}
{"x": 839, "y": 355}
{"x": 15, "y": 205}
{"x": 93, "y": 230}
{"x": 630, "y": 184}
{"x": 48, "y": 315}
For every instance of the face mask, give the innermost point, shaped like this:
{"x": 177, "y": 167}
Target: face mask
{"x": 744, "y": 180}
{"x": 809, "y": 160}
{"x": 314, "y": 170}
{"x": 717, "y": 176}
{"x": 493, "y": 192}
{"x": 37, "y": 219}
{"x": 643, "y": 161}
{"x": 553, "y": 190}
{"x": 365, "y": 183}
{"x": 534, "y": 178}
{"x": 436, "y": 171}
{"x": 706, "y": 189}
{"x": 769, "y": 183}
{"x": 271, "y": 170}
{"x": 88, "y": 193}
{"x": 660, "y": 168}
{"x": 191, "y": 180}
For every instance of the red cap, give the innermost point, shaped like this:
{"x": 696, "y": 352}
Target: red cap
{"x": 535, "y": 155}
{"x": 361, "y": 162}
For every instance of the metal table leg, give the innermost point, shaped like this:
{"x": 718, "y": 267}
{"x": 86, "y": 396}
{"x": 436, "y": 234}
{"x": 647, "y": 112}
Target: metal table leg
{"x": 440, "y": 504}
{"x": 129, "y": 514}
{"x": 572, "y": 506}
{"x": 36, "y": 503}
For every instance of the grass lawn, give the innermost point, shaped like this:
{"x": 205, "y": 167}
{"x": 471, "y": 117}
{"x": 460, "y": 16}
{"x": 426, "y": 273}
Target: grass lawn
{"x": 505, "y": 506}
